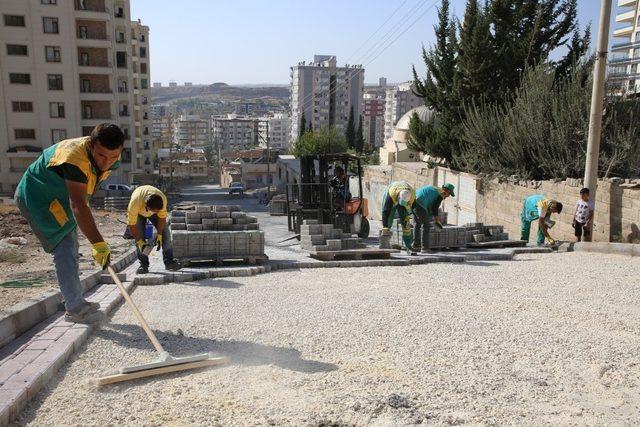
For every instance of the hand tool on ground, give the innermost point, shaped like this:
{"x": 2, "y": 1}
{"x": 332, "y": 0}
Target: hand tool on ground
{"x": 165, "y": 362}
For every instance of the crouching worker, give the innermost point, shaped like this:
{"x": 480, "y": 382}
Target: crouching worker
{"x": 147, "y": 202}
{"x": 398, "y": 200}
{"x": 53, "y": 195}
{"x": 426, "y": 208}
{"x": 538, "y": 208}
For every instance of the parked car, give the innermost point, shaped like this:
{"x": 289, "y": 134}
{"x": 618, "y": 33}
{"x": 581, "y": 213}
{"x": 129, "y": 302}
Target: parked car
{"x": 122, "y": 187}
{"x": 236, "y": 187}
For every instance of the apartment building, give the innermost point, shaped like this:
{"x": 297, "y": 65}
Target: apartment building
{"x": 65, "y": 67}
{"x": 191, "y": 131}
{"x": 373, "y": 119}
{"x": 276, "y": 129}
{"x": 232, "y": 132}
{"x": 325, "y": 93}
{"x": 141, "y": 94}
{"x": 398, "y": 100}
{"x": 624, "y": 63}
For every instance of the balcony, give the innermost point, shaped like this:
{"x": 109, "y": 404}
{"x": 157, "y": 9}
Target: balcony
{"x": 626, "y": 3}
{"x": 626, "y": 16}
{"x": 625, "y": 46}
{"x": 124, "y": 113}
{"x": 92, "y": 9}
{"x": 623, "y": 32}
{"x": 623, "y": 75}
{"x": 625, "y": 59}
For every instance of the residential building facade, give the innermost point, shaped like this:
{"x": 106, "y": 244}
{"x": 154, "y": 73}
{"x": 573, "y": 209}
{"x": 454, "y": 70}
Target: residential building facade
{"x": 398, "y": 100}
{"x": 232, "y": 132}
{"x": 325, "y": 94}
{"x": 624, "y": 63}
{"x": 141, "y": 93}
{"x": 65, "y": 67}
{"x": 276, "y": 129}
{"x": 373, "y": 119}
{"x": 191, "y": 131}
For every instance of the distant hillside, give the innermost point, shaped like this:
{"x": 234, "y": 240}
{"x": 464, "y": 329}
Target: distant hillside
{"x": 219, "y": 91}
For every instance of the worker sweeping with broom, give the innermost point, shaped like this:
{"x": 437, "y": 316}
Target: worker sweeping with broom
{"x": 426, "y": 208}
{"x": 538, "y": 208}
{"x": 149, "y": 203}
{"x": 398, "y": 200}
{"x": 53, "y": 196}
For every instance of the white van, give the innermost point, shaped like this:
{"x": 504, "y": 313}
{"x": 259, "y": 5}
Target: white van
{"x": 118, "y": 187}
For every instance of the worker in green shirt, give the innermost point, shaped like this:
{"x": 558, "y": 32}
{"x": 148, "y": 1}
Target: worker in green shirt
{"x": 53, "y": 195}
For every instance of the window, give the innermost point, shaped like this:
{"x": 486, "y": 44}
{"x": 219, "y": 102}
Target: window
{"x": 58, "y": 135}
{"x": 22, "y": 106}
{"x": 49, "y": 1}
{"x": 121, "y": 59}
{"x": 143, "y": 68}
{"x": 17, "y": 49}
{"x": 52, "y": 53}
{"x": 144, "y": 83}
{"x": 56, "y": 110}
{"x": 54, "y": 81}
{"x": 141, "y": 37}
{"x": 25, "y": 133}
{"x": 120, "y": 13}
{"x": 19, "y": 78}
{"x": 143, "y": 52}
{"x": 14, "y": 20}
{"x": 50, "y": 25}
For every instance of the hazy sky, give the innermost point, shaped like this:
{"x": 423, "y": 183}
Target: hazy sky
{"x": 256, "y": 41}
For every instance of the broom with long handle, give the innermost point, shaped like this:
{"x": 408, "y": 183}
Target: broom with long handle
{"x": 165, "y": 362}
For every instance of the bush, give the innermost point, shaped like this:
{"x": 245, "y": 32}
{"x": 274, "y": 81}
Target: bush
{"x": 320, "y": 141}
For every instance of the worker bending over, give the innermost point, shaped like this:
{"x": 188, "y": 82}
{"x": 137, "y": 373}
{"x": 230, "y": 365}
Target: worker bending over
{"x": 426, "y": 208}
{"x": 147, "y": 202}
{"x": 539, "y": 208}
{"x": 399, "y": 199}
{"x": 53, "y": 195}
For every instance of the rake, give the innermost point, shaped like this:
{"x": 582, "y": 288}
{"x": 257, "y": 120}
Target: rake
{"x": 165, "y": 363}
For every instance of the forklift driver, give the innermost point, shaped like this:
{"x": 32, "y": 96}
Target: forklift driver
{"x": 340, "y": 187}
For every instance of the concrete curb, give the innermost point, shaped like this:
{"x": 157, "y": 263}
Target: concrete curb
{"x": 189, "y": 275}
{"x": 628, "y": 249}
{"x": 21, "y": 317}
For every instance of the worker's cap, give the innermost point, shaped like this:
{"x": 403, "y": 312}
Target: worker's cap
{"x": 404, "y": 198}
{"x": 451, "y": 189}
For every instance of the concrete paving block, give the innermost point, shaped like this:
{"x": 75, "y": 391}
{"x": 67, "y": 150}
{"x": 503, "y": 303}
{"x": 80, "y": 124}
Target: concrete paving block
{"x": 334, "y": 244}
{"x": 203, "y": 208}
{"x": 234, "y": 208}
{"x": 194, "y": 227}
{"x": 236, "y": 214}
{"x": 106, "y": 277}
{"x": 241, "y": 221}
{"x": 327, "y": 229}
{"x": 253, "y": 227}
{"x": 479, "y": 238}
{"x": 310, "y": 222}
{"x": 252, "y": 219}
{"x": 193, "y": 218}
{"x": 210, "y": 221}
{"x": 178, "y": 220}
{"x": 225, "y": 214}
{"x": 178, "y": 226}
{"x": 207, "y": 215}
{"x": 221, "y": 208}
{"x": 311, "y": 229}
{"x": 313, "y": 239}
{"x": 225, "y": 221}
{"x": 178, "y": 214}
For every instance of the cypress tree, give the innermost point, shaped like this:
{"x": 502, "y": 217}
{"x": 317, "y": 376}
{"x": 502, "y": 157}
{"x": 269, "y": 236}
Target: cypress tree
{"x": 303, "y": 125}
{"x": 360, "y": 137}
{"x": 350, "y": 132}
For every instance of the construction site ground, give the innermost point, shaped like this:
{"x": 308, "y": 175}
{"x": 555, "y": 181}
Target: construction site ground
{"x": 26, "y": 271}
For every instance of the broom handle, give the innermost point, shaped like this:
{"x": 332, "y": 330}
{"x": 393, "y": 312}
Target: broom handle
{"x": 143, "y": 322}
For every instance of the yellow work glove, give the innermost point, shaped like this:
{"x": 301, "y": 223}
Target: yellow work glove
{"x": 438, "y": 224}
{"x": 140, "y": 244}
{"x": 552, "y": 241}
{"x": 101, "y": 253}
{"x": 158, "y": 242}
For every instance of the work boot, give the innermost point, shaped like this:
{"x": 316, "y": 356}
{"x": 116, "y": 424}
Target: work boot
{"x": 88, "y": 313}
{"x": 143, "y": 269}
{"x": 172, "y": 265}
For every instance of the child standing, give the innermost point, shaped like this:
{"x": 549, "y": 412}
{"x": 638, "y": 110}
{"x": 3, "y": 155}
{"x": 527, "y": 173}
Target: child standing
{"x": 583, "y": 215}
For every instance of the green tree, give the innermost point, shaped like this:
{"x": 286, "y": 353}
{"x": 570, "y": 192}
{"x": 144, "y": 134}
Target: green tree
{"x": 303, "y": 125}
{"x": 320, "y": 141}
{"x": 359, "y": 137}
{"x": 350, "y": 132}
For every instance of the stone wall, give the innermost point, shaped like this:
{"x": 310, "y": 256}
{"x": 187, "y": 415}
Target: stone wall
{"x": 500, "y": 202}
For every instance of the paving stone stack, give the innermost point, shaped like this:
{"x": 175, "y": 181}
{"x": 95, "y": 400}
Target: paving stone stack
{"x": 213, "y": 218}
{"x": 315, "y": 237}
{"x": 116, "y": 202}
{"x": 214, "y": 232}
{"x": 479, "y": 233}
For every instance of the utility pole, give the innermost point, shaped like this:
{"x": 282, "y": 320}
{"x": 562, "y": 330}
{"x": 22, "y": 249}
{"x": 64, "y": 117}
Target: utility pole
{"x": 268, "y": 165}
{"x": 597, "y": 99}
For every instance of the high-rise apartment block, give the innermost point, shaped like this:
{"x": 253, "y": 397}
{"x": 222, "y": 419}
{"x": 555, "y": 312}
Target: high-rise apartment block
{"x": 232, "y": 132}
{"x": 325, "y": 94}
{"x": 190, "y": 131}
{"x": 276, "y": 129}
{"x": 65, "y": 67}
{"x": 373, "y": 119}
{"x": 398, "y": 100}
{"x": 624, "y": 63}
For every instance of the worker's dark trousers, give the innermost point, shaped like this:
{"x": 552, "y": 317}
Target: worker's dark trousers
{"x": 167, "y": 248}
{"x": 389, "y": 211}
{"x": 421, "y": 231}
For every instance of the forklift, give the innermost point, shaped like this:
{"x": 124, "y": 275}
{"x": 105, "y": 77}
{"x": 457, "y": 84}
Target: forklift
{"x": 323, "y": 194}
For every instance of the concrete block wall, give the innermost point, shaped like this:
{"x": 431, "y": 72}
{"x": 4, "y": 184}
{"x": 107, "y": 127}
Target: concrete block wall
{"x": 217, "y": 244}
{"x": 317, "y": 237}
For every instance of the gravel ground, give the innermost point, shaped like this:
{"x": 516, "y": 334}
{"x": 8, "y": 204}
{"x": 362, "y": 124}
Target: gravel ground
{"x": 545, "y": 339}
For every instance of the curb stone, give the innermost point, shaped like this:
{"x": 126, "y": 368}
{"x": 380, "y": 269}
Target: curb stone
{"x": 628, "y": 249}
{"x": 21, "y": 317}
